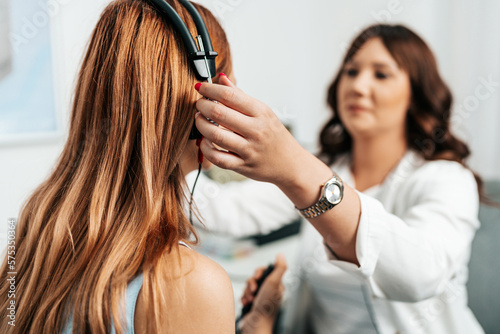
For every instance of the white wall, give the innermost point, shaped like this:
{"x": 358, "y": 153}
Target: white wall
{"x": 286, "y": 53}
{"x": 25, "y": 165}
{"x": 5, "y": 52}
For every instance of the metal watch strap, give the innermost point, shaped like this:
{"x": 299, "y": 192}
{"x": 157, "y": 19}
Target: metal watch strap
{"x": 322, "y": 205}
{"x": 318, "y": 208}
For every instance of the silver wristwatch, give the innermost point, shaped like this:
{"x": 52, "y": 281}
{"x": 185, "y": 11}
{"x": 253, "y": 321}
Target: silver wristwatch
{"x": 332, "y": 192}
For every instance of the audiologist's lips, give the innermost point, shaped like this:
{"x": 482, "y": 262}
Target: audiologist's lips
{"x": 357, "y": 108}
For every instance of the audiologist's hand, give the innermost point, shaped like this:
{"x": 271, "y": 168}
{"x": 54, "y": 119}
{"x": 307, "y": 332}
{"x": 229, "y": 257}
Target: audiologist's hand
{"x": 267, "y": 303}
{"x": 258, "y": 145}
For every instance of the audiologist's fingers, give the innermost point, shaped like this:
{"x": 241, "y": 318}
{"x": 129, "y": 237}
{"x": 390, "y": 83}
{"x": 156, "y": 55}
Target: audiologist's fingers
{"x": 224, "y": 80}
{"x": 251, "y": 287}
{"x": 222, "y": 115}
{"x": 248, "y": 296}
{"x": 220, "y": 158}
{"x": 224, "y": 138}
{"x": 252, "y": 281}
{"x": 279, "y": 268}
{"x": 231, "y": 97}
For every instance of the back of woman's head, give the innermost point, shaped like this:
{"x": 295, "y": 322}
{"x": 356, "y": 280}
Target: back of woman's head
{"x": 428, "y": 117}
{"x": 113, "y": 206}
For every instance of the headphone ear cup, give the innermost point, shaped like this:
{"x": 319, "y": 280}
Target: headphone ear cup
{"x": 195, "y": 134}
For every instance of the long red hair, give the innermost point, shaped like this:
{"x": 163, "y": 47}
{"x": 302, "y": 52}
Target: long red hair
{"x": 113, "y": 206}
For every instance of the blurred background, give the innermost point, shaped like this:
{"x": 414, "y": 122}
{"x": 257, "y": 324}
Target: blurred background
{"x": 285, "y": 53}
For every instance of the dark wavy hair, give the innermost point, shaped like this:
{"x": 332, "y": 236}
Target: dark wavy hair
{"x": 428, "y": 118}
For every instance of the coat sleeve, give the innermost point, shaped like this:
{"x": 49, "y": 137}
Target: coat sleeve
{"x": 414, "y": 255}
{"x": 240, "y": 208}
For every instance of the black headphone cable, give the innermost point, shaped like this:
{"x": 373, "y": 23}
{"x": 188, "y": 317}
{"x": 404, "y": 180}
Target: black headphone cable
{"x": 192, "y": 193}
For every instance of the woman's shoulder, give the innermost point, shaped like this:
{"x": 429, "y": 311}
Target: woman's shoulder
{"x": 198, "y": 286}
{"x": 204, "y": 274}
{"x": 443, "y": 169}
{"x": 208, "y": 295}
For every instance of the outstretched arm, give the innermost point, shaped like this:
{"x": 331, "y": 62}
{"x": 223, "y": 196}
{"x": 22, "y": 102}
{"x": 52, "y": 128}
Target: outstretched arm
{"x": 432, "y": 230}
{"x": 258, "y": 146}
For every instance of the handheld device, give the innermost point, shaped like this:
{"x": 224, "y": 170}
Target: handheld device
{"x": 261, "y": 280}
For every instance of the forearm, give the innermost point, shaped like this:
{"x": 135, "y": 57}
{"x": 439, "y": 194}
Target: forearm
{"x": 266, "y": 151}
{"x": 338, "y": 226}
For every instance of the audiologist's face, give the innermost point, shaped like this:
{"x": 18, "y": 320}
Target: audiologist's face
{"x": 373, "y": 93}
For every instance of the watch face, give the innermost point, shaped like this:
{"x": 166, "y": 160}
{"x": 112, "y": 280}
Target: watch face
{"x": 333, "y": 193}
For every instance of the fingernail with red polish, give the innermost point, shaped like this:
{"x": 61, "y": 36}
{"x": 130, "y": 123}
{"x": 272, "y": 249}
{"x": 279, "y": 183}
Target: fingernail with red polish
{"x": 197, "y": 86}
{"x": 222, "y": 74}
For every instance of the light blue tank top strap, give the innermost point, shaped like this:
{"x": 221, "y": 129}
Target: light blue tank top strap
{"x": 131, "y": 295}
{"x": 133, "y": 289}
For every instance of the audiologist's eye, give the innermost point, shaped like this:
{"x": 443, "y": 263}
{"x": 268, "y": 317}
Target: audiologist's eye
{"x": 351, "y": 72}
{"x": 381, "y": 75}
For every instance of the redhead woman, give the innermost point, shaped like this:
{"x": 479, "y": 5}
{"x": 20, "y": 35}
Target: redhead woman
{"x": 391, "y": 206}
{"x": 103, "y": 244}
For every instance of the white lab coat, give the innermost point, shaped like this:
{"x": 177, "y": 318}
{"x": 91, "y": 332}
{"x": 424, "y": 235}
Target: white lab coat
{"x": 413, "y": 245}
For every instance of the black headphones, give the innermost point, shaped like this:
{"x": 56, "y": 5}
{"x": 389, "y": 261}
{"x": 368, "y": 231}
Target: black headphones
{"x": 202, "y": 57}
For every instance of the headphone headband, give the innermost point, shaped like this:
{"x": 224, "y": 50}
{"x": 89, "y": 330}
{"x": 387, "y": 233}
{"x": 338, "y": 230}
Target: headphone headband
{"x": 201, "y": 28}
{"x": 202, "y": 58}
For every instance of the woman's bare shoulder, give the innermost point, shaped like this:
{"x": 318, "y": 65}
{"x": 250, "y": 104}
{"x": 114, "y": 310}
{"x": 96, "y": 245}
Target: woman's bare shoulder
{"x": 201, "y": 300}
